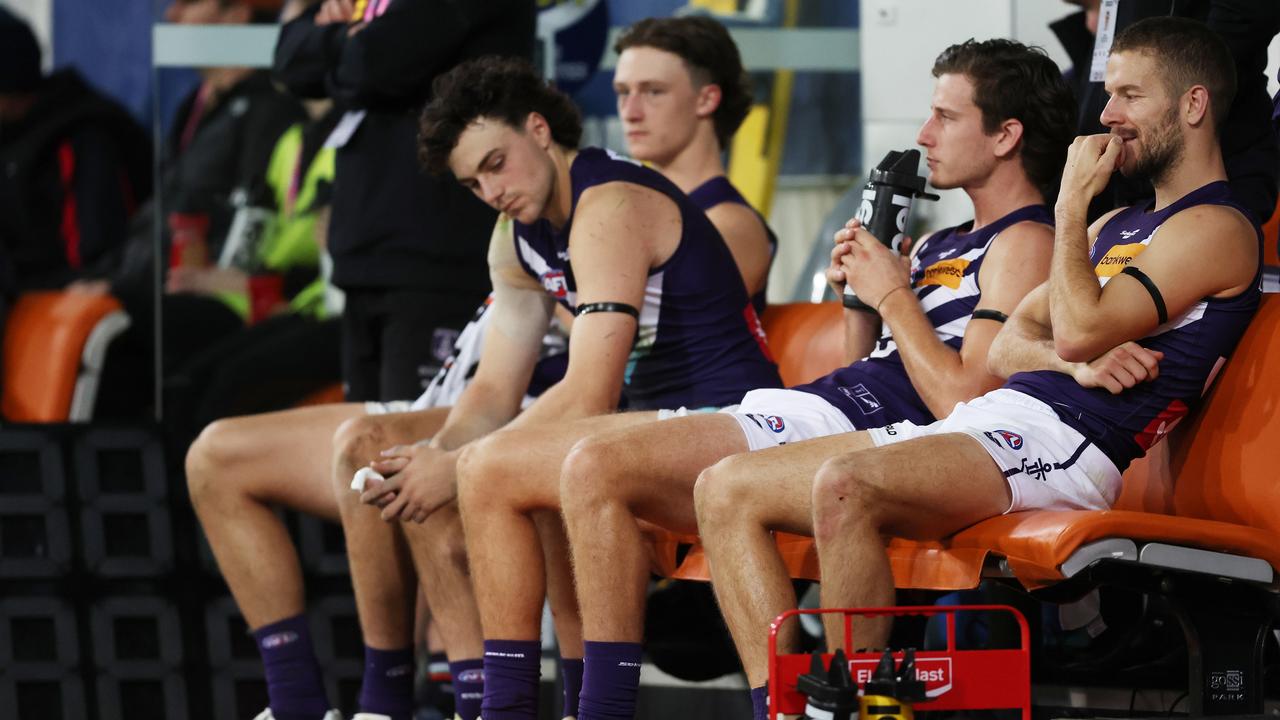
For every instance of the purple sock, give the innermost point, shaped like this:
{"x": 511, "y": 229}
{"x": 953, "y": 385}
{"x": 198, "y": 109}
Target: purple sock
{"x": 294, "y": 685}
{"x": 610, "y": 681}
{"x": 468, "y": 687}
{"x": 760, "y": 703}
{"x": 571, "y": 676}
{"x": 512, "y": 669}
{"x": 388, "y": 683}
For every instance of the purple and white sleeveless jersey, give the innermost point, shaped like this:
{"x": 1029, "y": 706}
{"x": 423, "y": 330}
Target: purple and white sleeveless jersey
{"x": 876, "y": 391}
{"x": 699, "y": 341}
{"x": 719, "y": 190}
{"x": 1195, "y": 344}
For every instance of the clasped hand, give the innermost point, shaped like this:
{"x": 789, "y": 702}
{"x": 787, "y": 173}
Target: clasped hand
{"x": 418, "y": 481}
{"x": 866, "y": 265}
{"x": 1120, "y": 368}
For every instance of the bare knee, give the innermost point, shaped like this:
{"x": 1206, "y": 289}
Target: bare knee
{"x": 356, "y": 443}
{"x": 475, "y": 464}
{"x": 589, "y": 476}
{"x": 844, "y": 494}
{"x": 490, "y": 471}
{"x": 722, "y": 497}
{"x": 210, "y": 460}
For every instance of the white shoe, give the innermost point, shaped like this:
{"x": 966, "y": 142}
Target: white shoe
{"x": 369, "y": 716}
{"x": 331, "y": 715}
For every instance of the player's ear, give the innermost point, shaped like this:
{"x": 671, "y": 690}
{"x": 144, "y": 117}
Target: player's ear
{"x": 1195, "y": 105}
{"x": 709, "y": 97}
{"x": 536, "y": 127}
{"x": 1008, "y": 137}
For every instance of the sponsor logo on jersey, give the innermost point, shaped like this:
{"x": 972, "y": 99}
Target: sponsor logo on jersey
{"x": 775, "y": 423}
{"x": 945, "y": 272}
{"x": 1117, "y": 258}
{"x": 1012, "y": 439}
{"x": 866, "y": 401}
{"x": 1126, "y": 234}
{"x": 555, "y": 284}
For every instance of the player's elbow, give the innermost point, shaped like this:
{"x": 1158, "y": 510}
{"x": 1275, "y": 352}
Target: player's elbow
{"x": 1080, "y": 339}
{"x": 998, "y": 357}
{"x": 1073, "y": 347}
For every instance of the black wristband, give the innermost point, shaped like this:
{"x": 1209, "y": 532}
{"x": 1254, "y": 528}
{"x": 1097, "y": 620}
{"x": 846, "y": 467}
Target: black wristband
{"x": 989, "y": 314}
{"x": 853, "y": 303}
{"x": 607, "y": 307}
{"x": 1156, "y": 297}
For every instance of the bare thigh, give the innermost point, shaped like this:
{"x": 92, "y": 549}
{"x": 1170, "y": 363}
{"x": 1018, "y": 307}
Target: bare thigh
{"x": 279, "y": 458}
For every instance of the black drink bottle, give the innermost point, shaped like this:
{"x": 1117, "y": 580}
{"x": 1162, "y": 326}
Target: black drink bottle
{"x": 886, "y": 205}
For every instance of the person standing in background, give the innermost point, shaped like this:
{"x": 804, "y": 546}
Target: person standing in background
{"x": 408, "y": 249}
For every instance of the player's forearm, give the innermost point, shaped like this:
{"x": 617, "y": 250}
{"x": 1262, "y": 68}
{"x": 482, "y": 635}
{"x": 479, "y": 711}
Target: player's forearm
{"x": 478, "y": 412}
{"x": 861, "y": 330}
{"x": 1074, "y": 292}
{"x": 1024, "y": 345}
{"x": 566, "y": 401}
{"x": 936, "y": 371}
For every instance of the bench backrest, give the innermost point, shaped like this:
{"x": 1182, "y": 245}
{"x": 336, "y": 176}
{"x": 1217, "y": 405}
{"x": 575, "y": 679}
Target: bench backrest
{"x": 44, "y": 342}
{"x": 806, "y": 339}
{"x": 1228, "y": 466}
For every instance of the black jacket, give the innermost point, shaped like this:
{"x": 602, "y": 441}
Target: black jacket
{"x": 393, "y": 225}
{"x": 1249, "y": 147}
{"x": 74, "y": 169}
{"x": 229, "y": 150}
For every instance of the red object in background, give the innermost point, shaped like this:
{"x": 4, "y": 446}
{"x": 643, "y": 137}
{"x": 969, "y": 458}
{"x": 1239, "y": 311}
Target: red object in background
{"x": 266, "y": 291}
{"x": 954, "y": 679}
{"x": 188, "y": 247}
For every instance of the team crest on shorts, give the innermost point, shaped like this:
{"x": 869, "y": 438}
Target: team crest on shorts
{"x": 1012, "y": 439}
{"x": 866, "y": 401}
{"x": 775, "y": 423}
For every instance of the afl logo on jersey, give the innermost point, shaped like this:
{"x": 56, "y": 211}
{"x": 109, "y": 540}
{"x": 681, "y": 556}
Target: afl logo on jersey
{"x": 555, "y": 284}
{"x": 775, "y": 423}
{"x": 1012, "y": 439}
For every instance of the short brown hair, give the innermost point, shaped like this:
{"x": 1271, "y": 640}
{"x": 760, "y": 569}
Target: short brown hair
{"x": 711, "y": 56}
{"x": 1014, "y": 81}
{"x": 505, "y": 89}
{"x": 1189, "y": 54}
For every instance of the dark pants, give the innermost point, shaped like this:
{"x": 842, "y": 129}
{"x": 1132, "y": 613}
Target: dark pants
{"x": 265, "y": 367}
{"x": 395, "y": 341}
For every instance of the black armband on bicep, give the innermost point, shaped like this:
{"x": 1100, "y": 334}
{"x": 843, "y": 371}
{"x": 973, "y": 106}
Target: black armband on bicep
{"x": 1147, "y": 283}
{"x": 989, "y": 314}
{"x": 608, "y": 307}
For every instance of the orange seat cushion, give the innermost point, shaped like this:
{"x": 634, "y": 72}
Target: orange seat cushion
{"x": 44, "y": 341}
